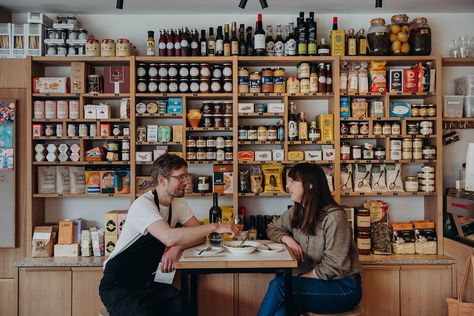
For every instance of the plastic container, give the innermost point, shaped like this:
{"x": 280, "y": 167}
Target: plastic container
{"x": 453, "y": 105}
{"x": 464, "y": 85}
{"x": 469, "y": 106}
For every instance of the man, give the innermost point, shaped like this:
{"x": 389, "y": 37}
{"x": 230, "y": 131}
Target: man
{"x": 149, "y": 237}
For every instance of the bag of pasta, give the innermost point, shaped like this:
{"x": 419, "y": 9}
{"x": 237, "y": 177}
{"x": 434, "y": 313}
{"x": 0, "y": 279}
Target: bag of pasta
{"x": 272, "y": 177}
{"x": 378, "y": 79}
{"x": 256, "y": 180}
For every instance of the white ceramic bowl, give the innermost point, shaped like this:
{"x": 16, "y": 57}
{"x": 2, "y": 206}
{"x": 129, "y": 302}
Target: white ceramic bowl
{"x": 246, "y": 247}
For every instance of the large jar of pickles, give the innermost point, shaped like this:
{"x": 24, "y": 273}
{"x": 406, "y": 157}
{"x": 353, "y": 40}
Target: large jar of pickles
{"x": 420, "y": 37}
{"x": 399, "y": 35}
{"x": 378, "y": 38}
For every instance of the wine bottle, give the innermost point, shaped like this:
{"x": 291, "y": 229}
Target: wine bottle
{"x": 269, "y": 42}
{"x": 219, "y": 42}
{"x": 177, "y": 43}
{"x": 302, "y": 42}
{"x": 226, "y": 40}
{"x": 203, "y": 43}
{"x": 215, "y": 215}
{"x": 185, "y": 41}
{"x": 312, "y": 35}
{"x": 279, "y": 42}
{"x": 250, "y": 50}
{"x": 292, "y": 123}
{"x": 194, "y": 43}
{"x": 211, "y": 43}
{"x": 242, "y": 43}
{"x": 259, "y": 37}
{"x": 351, "y": 43}
{"x": 170, "y": 43}
{"x": 234, "y": 42}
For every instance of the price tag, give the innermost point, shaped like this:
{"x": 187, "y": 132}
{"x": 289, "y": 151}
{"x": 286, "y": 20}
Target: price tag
{"x": 165, "y": 94}
{"x": 110, "y": 194}
{"x": 275, "y": 194}
{"x": 395, "y": 193}
{"x": 48, "y": 94}
{"x": 60, "y": 195}
{"x": 195, "y": 94}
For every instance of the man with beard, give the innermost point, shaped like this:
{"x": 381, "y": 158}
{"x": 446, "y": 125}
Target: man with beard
{"x": 150, "y": 236}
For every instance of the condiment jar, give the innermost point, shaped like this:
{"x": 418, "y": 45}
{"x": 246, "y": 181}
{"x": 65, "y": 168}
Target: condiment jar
{"x": 292, "y": 85}
{"x": 420, "y": 37}
{"x": 262, "y": 133}
{"x": 243, "y": 80}
{"x": 345, "y": 151}
{"x": 377, "y": 129}
{"x": 107, "y": 48}
{"x": 363, "y": 220}
{"x": 396, "y": 130}
{"x": 255, "y": 82}
{"x": 378, "y": 38}
{"x": 92, "y": 47}
{"x": 399, "y": 35}
{"x": 411, "y": 184}
{"x": 279, "y": 80}
{"x": 122, "y": 48}
{"x": 267, "y": 80}
{"x": 356, "y": 152}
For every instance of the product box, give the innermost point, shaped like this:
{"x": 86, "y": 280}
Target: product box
{"x": 110, "y": 242}
{"x": 105, "y": 129}
{"x": 42, "y": 243}
{"x": 276, "y": 108}
{"x": 278, "y": 154}
{"x": 86, "y": 245}
{"x": 345, "y": 107}
{"x": 246, "y": 107}
{"x": 103, "y": 111}
{"x": 46, "y": 179}
{"x": 223, "y": 179}
{"x": 92, "y": 181}
{"x": 160, "y": 150}
{"x": 263, "y": 155}
{"x": 39, "y": 18}
{"x": 177, "y": 133}
{"x": 116, "y": 79}
{"x": 143, "y": 156}
{"x": 143, "y": 184}
{"x": 65, "y": 235}
{"x": 295, "y": 155}
{"x": 328, "y": 153}
{"x": 395, "y": 80}
{"x": 175, "y": 106}
{"x": 78, "y": 77}
{"x": 122, "y": 182}
{"x": 107, "y": 179}
{"x": 63, "y": 179}
{"x": 5, "y": 39}
{"x": 338, "y": 40}
{"x": 400, "y": 109}
{"x": 37, "y": 130}
{"x": 164, "y": 134}
{"x": 410, "y": 80}
{"x": 90, "y": 111}
{"x": 326, "y": 126}
{"x": 51, "y": 85}
{"x": 71, "y": 250}
{"x": 78, "y": 225}
{"x": 34, "y": 37}
{"x": 313, "y": 155}
{"x": 152, "y": 133}
{"x": 111, "y": 223}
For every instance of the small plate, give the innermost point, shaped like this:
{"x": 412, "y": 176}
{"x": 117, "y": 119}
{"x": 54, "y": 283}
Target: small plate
{"x": 212, "y": 251}
{"x": 245, "y": 248}
{"x": 273, "y": 248}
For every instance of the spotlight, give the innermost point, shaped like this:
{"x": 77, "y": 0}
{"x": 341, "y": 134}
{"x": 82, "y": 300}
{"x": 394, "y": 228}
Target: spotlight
{"x": 378, "y": 3}
{"x": 242, "y": 4}
{"x": 264, "y": 4}
{"x": 119, "y": 4}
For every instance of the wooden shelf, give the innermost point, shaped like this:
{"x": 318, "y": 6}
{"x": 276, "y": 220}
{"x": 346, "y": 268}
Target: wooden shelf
{"x": 209, "y": 129}
{"x": 207, "y": 195}
{"x": 369, "y": 136}
{"x": 363, "y": 95}
{"x": 158, "y": 143}
{"x": 388, "y": 194}
{"x": 63, "y": 61}
{"x": 457, "y": 62}
{"x": 105, "y": 95}
{"x": 309, "y": 142}
{"x": 255, "y": 142}
{"x": 377, "y": 161}
{"x": 265, "y": 115}
{"x": 284, "y": 162}
{"x": 111, "y": 120}
{"x": 187, "y": 95}
{"x": 183, "y": 59}
{"x": 402, "y": 60}
{"x": 266, "y": 194}
{"x": 282, "y": 95}
{"x": 156, "y": 115}
{"x": 91, "y": 195}
{"x": 56, "y": 95}
{"x": 56, "y": 163}
{"x": 258, "y": 61}
{"x": 414, "y": 118}
{"x": 417, "y": 94}
{"x": 77, "y": 138}
{"x": 208, "y": 162}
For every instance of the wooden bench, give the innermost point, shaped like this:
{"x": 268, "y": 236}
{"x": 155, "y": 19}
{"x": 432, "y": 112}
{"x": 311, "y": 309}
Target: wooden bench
{"x": 357, "y": 311}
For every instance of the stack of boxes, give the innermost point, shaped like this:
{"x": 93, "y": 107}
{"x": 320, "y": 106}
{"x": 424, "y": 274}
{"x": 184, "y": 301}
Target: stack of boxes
{"x": 114, "y": 221}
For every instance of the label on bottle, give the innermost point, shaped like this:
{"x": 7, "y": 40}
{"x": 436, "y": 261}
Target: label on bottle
{"x": 322, "y": 79}
{"x": 302, "y": 49}
{"x": 184, "y": 43}
{"x": 235, "y": 48}
{"x": 363, "y": 243}
{"x": 323, "y": 51}
{"x": 203, "y": 48}
{"x": 194, "y": 45}
{"x": 279, "y": 48}
{"x": 259, "y": 41}
{"x": 363, "y": 221}
{"x": 227, "y": 49}
{"x": 292, "y": 130}
{"x": 363, "y": 46}
{"x": 211, "y": 48}
{"x": 162, "y": 45}
{"x": 270, "y": 48}
{"x": 303, "y": 130}
{"x": 150, "y": 48}
{"x": 203, "y": 187}
{"x": 170, "y": 45}
{"x": 312, "y": 135}
{"x": 313, "y": 84}
{"x": 219, "y": 46}
{"x": 352, "y": 47}
{"x": 290, "y": 47}
{"x": 328, "y": 80}
{"x": 312, "y": 49}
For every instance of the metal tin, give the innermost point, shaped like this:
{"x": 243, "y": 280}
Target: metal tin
{"x": 379, "y": 153}
{"x": 356, "y": 152}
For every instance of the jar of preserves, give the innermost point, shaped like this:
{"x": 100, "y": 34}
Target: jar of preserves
{"x": 399, "y": 35}
{"x": 417, "y": 153}
{"x": 219, "y": 142}
{"x": 207, "y": 120}
{"x": 305, "y": 86}
{"x": 107, "y": 48}
{"x": 415, "y": 110}
{"x": 82, "y": 34}
{"x": 420, "y": 37}
{"x": 227, "y": 119}
{"x": 353, "y": 128}
{"x": 218, "y": 120}
{"x": 363, "y": 128}
{"x": 217, "y": 71}
{"x": 431, "y": 111}
{"x": 378, "y": 38}
{"x": 203, "y": 184}
{"x": 272, "y": 133}
{"x": 163, "y": 85}
{"x": 345, "y": 151}
{"x": 227, "y": 71}
{"x": 243, "y": 133}
{"x": 356, "y": 152}
{"x": 51, "y": 50}
{"x": 173, "y": 71}
{"x": 279, "y": 80}
{"x": 262, "y": 133}
{"x": 194, "y": 85}
{"x": 201, "y": 154}
{"x": 204, "y": 86}
{"x": 407, "y": 153}
{"x": 210, "y": 142}
{"x": 387, "y": 129}
{"x": 411, "y": 184}
{"x": 429, "y": 152}
{"x": 363, "y": 220}
{"x": 200, "y": 142}
{"x": 379, "y": 153}
{"x": 220, "y": 155}
{"x": 173, "y": 85}
{"x": 407, "y": 143}
{"x": 363, "y": 243}
{"x": 228, "y": 154}
{"x": 423, "y": 110}
{"x": 141, "y": 85}
{"x": 243, "y": 80}
{"x": 267, "y": 80}
{"x": 255, "y": 82}
{"x": 227, "y": 85}
{"x": 413, "y": 128}
{"x": 190, "y": 142}
{"x": 61, "y": 50}
{"x": 396, "y": 130}
{"x": 183, "y": 71}
{"x": 183, "y": 86}
{"x": 344, "y": 128}
{"x": 252, "y": 133}
{"x": 92, "y": 47}
{"x": 191, "y": 153}
{"x": 417, "y": 143}
{"x": 292, "y": 85}
{"x": 163, "y": 70}
{"x": 122, "y": 48}
{"x": 211, "y": 153}
{"x": 228, "y": 143}
{"x": 194, "y": 71}
{"x": 153, "y": 85}
{"x": 377, "y": 128}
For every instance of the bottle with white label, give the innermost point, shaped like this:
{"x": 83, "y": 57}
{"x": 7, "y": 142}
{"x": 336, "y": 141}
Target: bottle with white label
{"x": 259, "y": 38}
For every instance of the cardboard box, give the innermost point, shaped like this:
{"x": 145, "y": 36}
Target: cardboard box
{"x": 177, "y": 133}
{"x": 278, "y": 154}
{"x": 51, "y": 85}
{"x": 276, "y": 108}
{"x": 313, "y": 155}
{"x": 121, "y": 218}
{"x": 92, "y": 181}
{"x": 326, "y": 126}
{"x": 152, "y": 133}
{"x": 246, "y": 107}
{"x": 78, "y": 77}
{"x": 110, "y": 242}
{"x": 43, "y": 240}
{"x": 78, "y": 225}
{"x": 107, "y": 180}
{"x": 66, "y": 233}
{"x": 90, "y": 111}
{"x": 122, "y": 182}
{"x": 116, "y": 79}
{"x": 175, "y": 106}
{"x": 263, "y": 155}
{"x": 395, "y": 77}
{"x": 223, "y": 179}
{"x": 86, "y": 244}
{"x": 295, "y": 155}
{"x": 164, "y": 134}
{"x": 71, "y": 250}
{"x": 103, "y": 111}
{"x": 143, "y": 184}
{"x": 111, "y": 223}
{"x": 143, "y": 156}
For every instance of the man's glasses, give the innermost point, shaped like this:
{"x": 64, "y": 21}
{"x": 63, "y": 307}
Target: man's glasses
{"x": 181, "y": 178}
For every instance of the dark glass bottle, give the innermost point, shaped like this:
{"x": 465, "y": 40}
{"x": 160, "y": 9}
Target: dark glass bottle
{"x": 203, "y": 46}
{"x": 279, "y": 42}
{"x": 219, "y": 42}
{"x": 321, "y": 78}
{"x": 234, "y": 42}
{"x": 361, "y": 43}
{"x": 323, "y": 49}
{"x": 170, "y": 44}
{"x": 351, "y": 43}
{"x": 185, "y": 41}
{"x": 302, "y": 41}
{"x": 195, "y": 43}
{"x": 226, "y": 40}
{"x": 242, "y": 43}
{"x": 162, "y": 43}
{"x": 250, "y": 50}
{"x": 211, "y": 43}
{"x": 328, "y": 78}
{"x": 292, "y": 123}
{"x": 269, "y": 42}
{"x": 259, "y": 37}
{"x": 312, "y": 35}
{"x": 177, "y": 43}
{"x": 215, "y": 216}
{"x": 291, "y": 44}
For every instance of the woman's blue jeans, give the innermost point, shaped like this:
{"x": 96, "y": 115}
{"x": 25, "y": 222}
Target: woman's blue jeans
{"x": 313, "y": 295}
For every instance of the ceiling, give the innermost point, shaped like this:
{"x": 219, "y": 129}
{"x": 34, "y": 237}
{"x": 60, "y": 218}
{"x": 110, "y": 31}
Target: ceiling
{"x": 156, "y": 7}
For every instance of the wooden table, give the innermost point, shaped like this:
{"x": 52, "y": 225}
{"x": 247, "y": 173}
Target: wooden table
{"x": 190, "y": 264}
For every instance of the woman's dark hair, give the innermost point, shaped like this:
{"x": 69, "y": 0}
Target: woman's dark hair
{"x": 164, "y": 165}
{"x": 316, "y": 197}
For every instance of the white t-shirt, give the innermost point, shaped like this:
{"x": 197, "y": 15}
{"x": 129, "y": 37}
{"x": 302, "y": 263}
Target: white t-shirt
{"x": 142, "y": 213}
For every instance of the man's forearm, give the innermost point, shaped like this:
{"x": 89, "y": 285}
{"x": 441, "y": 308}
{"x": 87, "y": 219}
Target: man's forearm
{"x": 186, "y": 237}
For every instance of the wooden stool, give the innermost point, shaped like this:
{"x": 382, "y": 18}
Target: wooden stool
{"x": 103, "y": 311}
{"x": 357, "y": 311}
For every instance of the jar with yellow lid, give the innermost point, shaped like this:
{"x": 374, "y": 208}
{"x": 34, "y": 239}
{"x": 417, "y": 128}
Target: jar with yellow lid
{"x": 107, "y": 48}
{"x": 262, "y": 133}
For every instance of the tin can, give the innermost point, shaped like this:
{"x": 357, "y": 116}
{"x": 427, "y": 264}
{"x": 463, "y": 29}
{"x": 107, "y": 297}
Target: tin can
{"x": 141, "y": 134}
{"x": 292, "y": 85}
{"x": 94, "y": 83}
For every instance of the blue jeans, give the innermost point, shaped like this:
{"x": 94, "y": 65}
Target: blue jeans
{"x": 312, "y": 295}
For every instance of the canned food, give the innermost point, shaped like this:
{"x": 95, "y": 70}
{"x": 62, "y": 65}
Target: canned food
{"x": 255, "y": 82}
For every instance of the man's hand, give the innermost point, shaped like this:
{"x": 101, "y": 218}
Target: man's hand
{"x": 170, "y": 256}
{"x": 228, "y": 228}
{"x": 294, "y": 247}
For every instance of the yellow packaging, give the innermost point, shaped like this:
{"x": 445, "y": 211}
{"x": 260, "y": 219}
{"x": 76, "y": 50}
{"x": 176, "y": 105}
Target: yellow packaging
{"x": 110, "y": 242}
{"x": 295, "y": 155}
{"x": 338, "y": 41}
{"x": 272, "y": 178}
{"x": 326, "y": 126}
{"x": 227, "y": 217}
{"x": 177, "y": 133}
{"x": 65, "y": 236}
{"x": 111, "y": 223}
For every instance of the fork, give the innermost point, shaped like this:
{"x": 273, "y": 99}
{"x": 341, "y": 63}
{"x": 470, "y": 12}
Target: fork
{"x": 204, "y": 249}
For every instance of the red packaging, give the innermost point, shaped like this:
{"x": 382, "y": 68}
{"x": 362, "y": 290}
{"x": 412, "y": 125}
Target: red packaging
{"x": 116, "y": 79}
{"x": 410, "y": 80}
{"x": 104, "y": 130}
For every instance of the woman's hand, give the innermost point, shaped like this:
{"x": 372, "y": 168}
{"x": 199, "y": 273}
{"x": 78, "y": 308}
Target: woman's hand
{"x": 294, "y": 247}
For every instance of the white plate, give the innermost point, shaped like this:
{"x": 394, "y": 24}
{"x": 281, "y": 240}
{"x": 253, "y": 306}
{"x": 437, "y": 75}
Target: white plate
{"x": 212, "y": 251}
{"x": 273, "y": 248}
{"x": 250, "y": 246}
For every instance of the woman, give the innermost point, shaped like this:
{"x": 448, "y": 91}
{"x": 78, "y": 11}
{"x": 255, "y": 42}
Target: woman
{"x": 318, "y": 234}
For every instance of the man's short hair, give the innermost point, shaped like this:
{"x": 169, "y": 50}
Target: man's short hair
{"x": 164, "y": 165}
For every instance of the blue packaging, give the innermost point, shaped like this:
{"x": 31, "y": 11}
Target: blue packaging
{"x": 345, "y": 107}
{"x": 175, "y": 105}
{"x": 400, "y": 109}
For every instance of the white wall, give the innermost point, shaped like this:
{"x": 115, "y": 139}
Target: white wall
{"x": 444, "y": 27}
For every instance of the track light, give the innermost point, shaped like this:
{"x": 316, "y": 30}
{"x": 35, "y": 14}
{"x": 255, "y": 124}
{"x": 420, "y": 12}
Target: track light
{"x": 242, "y": 4}
{"x": 119, "y": 4}
{"x": 264, "y": 4}
{"x": 378, "y": 3}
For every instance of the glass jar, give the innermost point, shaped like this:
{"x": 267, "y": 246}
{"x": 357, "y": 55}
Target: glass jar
{"x": 431, "y": 111}
{"x": 201, "y": 153}
{"x": 122, "y": 48}
{"x": 411, "y": 184}
{"x": 353, "y": 128}
{"x": 292, "y": 85}
{"x": 415, "y": 110}
{"x": 407, "y": 143}
{"x": 228, "y": 154}
{"x": 363, "y": 128}
{"x": 356, "y": 152}
{"x": 344, "y": 128}
{"x": 423, "y": 110}
{"x": 413, "y": 128}
{"x": 378, "y": 38}
{"x": 363, "y": 220}
{"x": 262, "y": 133}
{"x": 267, "y": 80}
{"x": 243, "y": 133}
{"x": 377, "y": 128}
{"x": 387, "y": 129}
{"x": 252, "y": 133}
{"x": 191, "y": 154}
{"x": 363, "y": 243}
{"x": 272, "y": 133}
{"x": 429, "y": 152}
{"x": 255, "y": 82}
{"x": 399, "y": 35}
{"x": 420, "y": 37}
{"x": 345, "y": 151}
{"x": 107, "y": 48}
{"x": 379, "y": 153}
{"x": 92, "y": 48}
{"x": 396, "y": 130}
